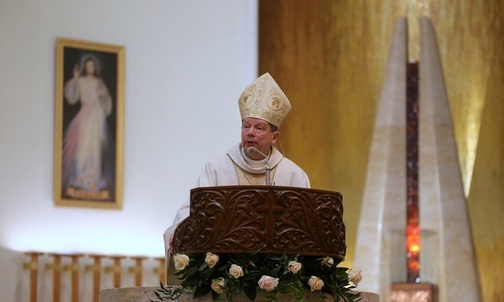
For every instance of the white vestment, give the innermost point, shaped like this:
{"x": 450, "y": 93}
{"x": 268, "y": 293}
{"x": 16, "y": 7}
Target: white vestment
{"x": 222, "y": 172}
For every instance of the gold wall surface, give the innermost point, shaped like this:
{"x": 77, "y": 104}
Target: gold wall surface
{"x": 329, "y": 58}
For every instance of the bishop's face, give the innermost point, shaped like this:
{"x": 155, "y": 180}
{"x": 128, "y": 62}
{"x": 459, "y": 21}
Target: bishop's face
{"x": 257, "y": 133}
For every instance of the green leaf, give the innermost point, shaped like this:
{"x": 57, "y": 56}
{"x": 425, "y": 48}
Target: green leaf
{"x": 215, "y": 295}
{"x": 201, "y": 291}
{"x": 203, "y": 266}
{"x": 191, "y": 270}
{"x": 250, "y": 291}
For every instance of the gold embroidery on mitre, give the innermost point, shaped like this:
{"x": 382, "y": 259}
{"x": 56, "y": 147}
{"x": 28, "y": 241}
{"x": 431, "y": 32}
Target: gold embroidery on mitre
{"x": 265, "y": 100}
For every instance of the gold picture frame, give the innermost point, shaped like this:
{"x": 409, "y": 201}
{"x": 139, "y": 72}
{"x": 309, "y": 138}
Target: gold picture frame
{"x": 89, "y": 124}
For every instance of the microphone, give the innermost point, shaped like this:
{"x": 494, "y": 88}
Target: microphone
{"x": 252, "y": 150}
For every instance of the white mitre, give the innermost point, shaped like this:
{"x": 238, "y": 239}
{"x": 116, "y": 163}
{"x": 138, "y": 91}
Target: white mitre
{"x": 263, "y": 99}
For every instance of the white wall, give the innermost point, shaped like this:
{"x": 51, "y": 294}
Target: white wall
{"x": 186, "y": 65}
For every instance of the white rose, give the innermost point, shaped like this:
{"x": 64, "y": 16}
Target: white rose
{"x": 268, "y": 283}
{"x": 294, "y": 266}
{"x": 315, "y": 283}
{"x": 355, "y": 277}
{"x": 211, "y": 259}
{"x": 236, "y": 271}
{"x": 328, "y": 261}
{"x": 218, "y": 285}
{"x": 181, "y": 261}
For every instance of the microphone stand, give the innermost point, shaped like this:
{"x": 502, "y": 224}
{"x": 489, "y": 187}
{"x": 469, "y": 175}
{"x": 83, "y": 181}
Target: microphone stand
{"x": 268, "y": 172}
{"x": 268, "y": 168}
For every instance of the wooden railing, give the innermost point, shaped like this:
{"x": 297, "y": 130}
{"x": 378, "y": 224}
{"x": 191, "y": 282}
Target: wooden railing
{"x": 80, "y": 277}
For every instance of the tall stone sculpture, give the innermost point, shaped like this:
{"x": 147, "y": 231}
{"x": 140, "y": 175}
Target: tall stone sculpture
{"x": 383, "y": 216}
{"x": 447, "y": 260}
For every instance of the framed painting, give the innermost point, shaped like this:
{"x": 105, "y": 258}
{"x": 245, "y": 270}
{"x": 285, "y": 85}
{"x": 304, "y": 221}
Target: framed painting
{"x": 89, "y": 124}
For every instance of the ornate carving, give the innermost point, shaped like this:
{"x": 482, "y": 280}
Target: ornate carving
{"x": 274, "y": 219}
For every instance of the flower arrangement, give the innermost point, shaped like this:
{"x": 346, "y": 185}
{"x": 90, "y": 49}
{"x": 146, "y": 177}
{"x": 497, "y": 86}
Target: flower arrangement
{"x": 227, "y": 276}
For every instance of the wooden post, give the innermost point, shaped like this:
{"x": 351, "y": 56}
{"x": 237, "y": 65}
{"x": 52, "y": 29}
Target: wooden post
{"x": 56, "y": 268}
{"x": 33, "y": 267}
{"x": 74, "y": 269}
{"x": 161, "y": 270}
{"x": 137, "y": 270}
{"x": 96, "y": 269}
{"x": 115, "y": 269}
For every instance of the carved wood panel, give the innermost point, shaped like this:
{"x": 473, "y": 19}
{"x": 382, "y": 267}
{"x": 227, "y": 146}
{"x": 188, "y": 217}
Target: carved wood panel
{"x": 274, "y": 219}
